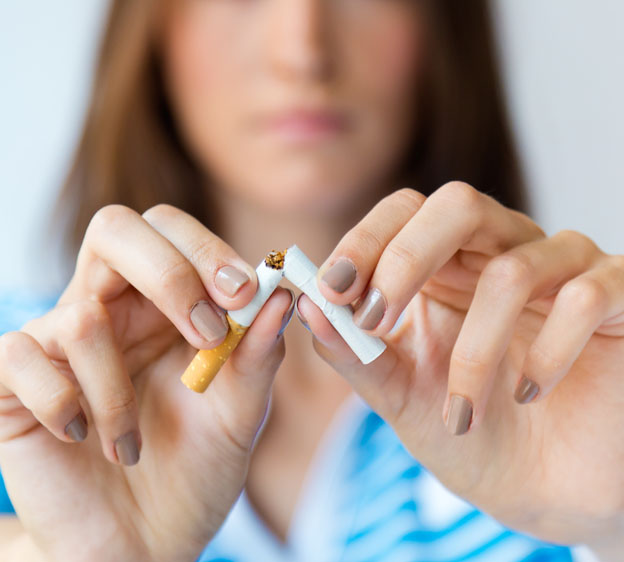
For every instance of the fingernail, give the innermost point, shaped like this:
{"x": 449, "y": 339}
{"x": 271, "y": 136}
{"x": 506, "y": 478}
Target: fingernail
{"x": 77, "y": 428}
{"x": 459, "y": 415}
{"x": 127, "y": 449}
{"x": 371, "y": 311}
{"x": 229, "y": 280}
{"x": 340, "y": 276}
{"x": 526, "y": 390}
{"x": 211, "y": 324}
{"x": 288, "y": 314}
{"x": 300, "y": 316}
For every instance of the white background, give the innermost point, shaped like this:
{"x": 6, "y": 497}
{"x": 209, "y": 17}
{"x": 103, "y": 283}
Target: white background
{"x": 564, "y": 72}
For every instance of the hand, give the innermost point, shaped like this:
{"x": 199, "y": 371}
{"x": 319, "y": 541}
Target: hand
{"x": 141, "y": 300}
{"x": 493, "y": 308}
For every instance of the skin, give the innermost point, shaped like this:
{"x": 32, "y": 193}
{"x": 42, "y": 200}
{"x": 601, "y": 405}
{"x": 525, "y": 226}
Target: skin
{"x": 487, "y": 297}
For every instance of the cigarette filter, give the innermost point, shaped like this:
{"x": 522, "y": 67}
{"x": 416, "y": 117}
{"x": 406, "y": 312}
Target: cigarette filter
{"x": 207, "y": 362}
{"x": 302, "y": 272}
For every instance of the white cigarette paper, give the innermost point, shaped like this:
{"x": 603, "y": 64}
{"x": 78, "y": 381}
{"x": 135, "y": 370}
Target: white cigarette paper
{"x": 268, "y": 280}
{"x": 300, "y": 271}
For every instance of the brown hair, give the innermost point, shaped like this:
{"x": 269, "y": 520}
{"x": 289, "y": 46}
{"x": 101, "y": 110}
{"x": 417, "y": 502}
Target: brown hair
{"x": 131, "y": 153}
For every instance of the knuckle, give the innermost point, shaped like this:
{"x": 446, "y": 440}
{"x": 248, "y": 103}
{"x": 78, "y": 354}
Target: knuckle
{"x": 15, "y": 350}
{"x": 83, "y": 319}
{"x": 119, "y": 405}
{"x": 462, "y": 194}
{"x": 204, "y": 254}
{"x": 174, "y": 274}
{"x": 617, "y": 261}
{"x": 581, "y": 242}
{"x": 509, "y": 270}
{"x": 160, "y": 212}
{"x": 364, "y": 239}
{"x": 542, "y": 361}
{"x": 54, "y": 406}
{"x": 110, "y": 217}
{"x": 409, "y": 197}
{"x": 528, "y": 224}
{"x": 406, "y": 256}
{"x": 33, "y": 325}
{"x": 586, "y": 295}
{"x": 467, "y": 360}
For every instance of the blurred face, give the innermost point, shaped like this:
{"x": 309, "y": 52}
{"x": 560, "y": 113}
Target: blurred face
{"x": 300, "y": 106}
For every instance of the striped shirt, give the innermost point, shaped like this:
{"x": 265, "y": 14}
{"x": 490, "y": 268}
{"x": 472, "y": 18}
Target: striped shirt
{"x": 364, "y": 499}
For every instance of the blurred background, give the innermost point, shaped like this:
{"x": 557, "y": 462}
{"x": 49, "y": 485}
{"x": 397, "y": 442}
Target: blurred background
{"x": 564, "y": 72}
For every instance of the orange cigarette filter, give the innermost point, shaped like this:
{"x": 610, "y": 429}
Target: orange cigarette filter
{"x": 207, "y": 362}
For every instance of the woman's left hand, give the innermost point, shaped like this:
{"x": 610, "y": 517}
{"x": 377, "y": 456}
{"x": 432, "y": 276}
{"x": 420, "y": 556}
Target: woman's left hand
{"x": 493, "y": 309}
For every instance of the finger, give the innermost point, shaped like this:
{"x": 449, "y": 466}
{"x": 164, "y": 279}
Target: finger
{"x": 239, "y": 395}
{"x": 229, "y": 280}
{"x": 250, "y": 358}
{"x": 506, "y": 284}
{"x": 27, "y": 373}
{"x": 383, "y": 383}
{"x": 454, "y": 217}
{"x": 121, "y": 249}
{"x": 582, "y": 305}
{"x": 345, "y": 274}
{"x": 82, "y": 333}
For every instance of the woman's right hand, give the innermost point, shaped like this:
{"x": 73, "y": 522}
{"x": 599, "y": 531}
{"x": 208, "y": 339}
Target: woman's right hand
{"x": 141, "y": 301}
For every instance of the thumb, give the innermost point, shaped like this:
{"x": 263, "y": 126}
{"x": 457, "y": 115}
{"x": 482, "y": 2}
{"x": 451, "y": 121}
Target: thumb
{"x": 383, "y": 383}
{"x": 239, "y": 394}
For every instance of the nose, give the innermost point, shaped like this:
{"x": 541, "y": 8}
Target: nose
{"x": 297, "y": 39}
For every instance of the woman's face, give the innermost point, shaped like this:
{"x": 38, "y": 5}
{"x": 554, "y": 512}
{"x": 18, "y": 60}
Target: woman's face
{"x": 301, "y": 106}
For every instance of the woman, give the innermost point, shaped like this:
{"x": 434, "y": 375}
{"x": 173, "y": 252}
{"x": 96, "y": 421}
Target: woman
{"x": 264, "y": 124}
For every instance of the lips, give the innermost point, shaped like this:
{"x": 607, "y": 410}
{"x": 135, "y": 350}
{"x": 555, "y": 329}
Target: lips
{"x": 306, "y": 124}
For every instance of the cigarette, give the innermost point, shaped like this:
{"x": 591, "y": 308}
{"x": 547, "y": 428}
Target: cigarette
{"x": 207, "y": 362}
{"x": 300, "y": 271}
{"x": 297, "y": 268}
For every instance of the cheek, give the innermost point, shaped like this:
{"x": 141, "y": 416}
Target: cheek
{"x": 397, "y": 60}
{"x": 189, "y": 68}
{"x": 385, "y": 54}
{"x": 204, "y": 70}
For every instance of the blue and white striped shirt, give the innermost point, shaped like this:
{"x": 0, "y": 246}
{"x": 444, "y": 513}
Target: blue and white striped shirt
{"x": 366, "y": 499}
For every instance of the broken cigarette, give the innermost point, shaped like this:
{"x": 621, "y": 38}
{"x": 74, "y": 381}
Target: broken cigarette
{"x": 299, "y": 270}
{"x": 207, "y": 362}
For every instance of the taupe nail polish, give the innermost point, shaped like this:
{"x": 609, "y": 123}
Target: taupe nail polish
{"x": 371, "y": 311}
{"x": 77, "y": 429}
{"x": 459, "y": 415}
{"x": 303, "y": 321}
{"x": 340, "y": 276}
{"x": 208, "y": 322}
{"x": 288, "y": 314}
{"x": 229, "y": 280}
{"x": 526, "y": 390}
{"x": 127, "y": 449}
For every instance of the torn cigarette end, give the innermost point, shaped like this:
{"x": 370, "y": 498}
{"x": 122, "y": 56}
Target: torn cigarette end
{"x": 275, "y": 259}
{"x": 207, "y": 362}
